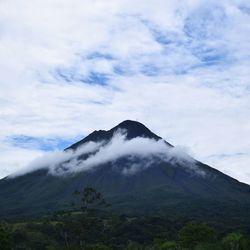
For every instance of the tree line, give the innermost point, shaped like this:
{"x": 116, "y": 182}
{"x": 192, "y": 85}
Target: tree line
{"x": 86, "y": 226}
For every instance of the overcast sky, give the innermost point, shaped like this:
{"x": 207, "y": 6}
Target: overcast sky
{"x": 180, "y": 67}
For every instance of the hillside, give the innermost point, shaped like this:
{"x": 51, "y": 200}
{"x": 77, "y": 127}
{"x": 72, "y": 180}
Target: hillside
{"x": 160, "y": 185}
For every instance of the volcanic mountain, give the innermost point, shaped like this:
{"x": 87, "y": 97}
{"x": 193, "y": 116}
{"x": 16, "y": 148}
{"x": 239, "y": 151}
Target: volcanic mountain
{"x": 138, "y": 173}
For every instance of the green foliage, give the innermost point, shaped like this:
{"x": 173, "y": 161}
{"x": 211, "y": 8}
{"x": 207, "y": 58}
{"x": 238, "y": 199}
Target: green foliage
{"x": 168, "y": 245}
{"x": 87, "y": 228}
{"x": 95, "y": 232}
{"x": 209, "y": 246}
{"x": 5, "y": 238}
{"x": 236, "y": 241}
{"x": 192, "y": 234}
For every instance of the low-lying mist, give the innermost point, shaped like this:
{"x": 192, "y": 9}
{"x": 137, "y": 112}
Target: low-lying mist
{"x": 93, "y": 154}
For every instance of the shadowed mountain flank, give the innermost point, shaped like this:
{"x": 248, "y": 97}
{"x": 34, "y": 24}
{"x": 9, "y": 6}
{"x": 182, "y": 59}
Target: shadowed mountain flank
{"x": 139, "y": 173}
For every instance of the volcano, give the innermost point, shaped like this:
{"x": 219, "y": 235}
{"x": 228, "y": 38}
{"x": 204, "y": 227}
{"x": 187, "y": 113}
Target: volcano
{"x": 138, "y": 173}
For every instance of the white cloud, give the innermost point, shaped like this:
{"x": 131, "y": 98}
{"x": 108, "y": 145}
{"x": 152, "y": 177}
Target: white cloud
{"x": 53, "y": 159}
{"x": 97, "y": 153}
{"x": 15, "y": 158}
{"x": 180, "y": 68}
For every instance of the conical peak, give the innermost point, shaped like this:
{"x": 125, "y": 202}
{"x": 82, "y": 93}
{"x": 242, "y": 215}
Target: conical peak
{"x": 130, "y": 124}
{"x": 135, "y": 129}
{"x": 132, "y": 129}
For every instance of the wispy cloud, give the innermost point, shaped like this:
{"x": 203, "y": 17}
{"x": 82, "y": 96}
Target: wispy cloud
{"x": 93, "y": 154}
{"x": 44, "y": 144}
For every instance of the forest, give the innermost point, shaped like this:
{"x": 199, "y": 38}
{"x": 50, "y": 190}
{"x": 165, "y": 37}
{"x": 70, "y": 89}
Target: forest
{"x": 88, "y": 226}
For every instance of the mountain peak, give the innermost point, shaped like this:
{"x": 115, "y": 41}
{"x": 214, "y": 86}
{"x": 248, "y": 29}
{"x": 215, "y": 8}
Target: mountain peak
{"x": 130, "y": 124}
{"x": 135, "y": 129}
{"x": 132, "y": 129}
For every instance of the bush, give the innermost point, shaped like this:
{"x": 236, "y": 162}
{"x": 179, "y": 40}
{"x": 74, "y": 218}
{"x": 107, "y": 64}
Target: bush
{"x": 168, "y": 245}
{"x": 192, "y": 234}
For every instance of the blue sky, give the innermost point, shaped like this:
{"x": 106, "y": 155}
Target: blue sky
{"x": 180, "y": 67}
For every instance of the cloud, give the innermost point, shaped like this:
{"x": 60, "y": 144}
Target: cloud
{"x": 53, "y": 159}
{"x": 141, "y": 153}
{"x": 181, "y": 68}
{"x": 44, "y": 144}
{"x": 15, "y": 158}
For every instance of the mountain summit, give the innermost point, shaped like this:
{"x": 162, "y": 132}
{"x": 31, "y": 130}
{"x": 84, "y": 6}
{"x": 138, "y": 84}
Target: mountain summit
{"x": 138, "y": 173}
{"x": 133, "y": 129}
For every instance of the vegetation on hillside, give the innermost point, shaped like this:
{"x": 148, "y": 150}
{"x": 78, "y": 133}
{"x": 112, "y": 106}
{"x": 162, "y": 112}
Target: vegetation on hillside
{"x": 86, "y": 227}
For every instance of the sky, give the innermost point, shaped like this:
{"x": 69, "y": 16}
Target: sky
{"x": 182, "y": 68}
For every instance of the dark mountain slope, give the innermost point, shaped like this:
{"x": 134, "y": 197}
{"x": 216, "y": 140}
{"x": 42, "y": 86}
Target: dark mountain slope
{"x": 166, "y": 187}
